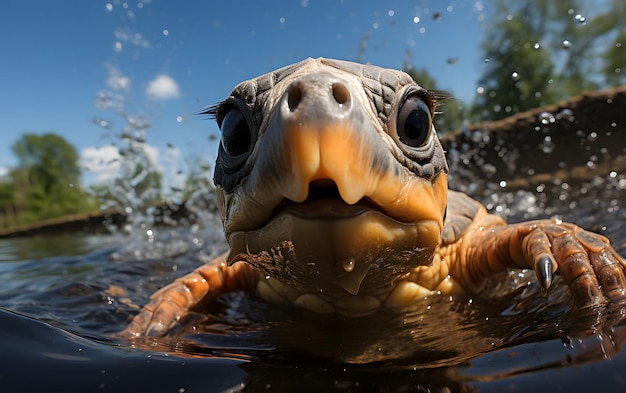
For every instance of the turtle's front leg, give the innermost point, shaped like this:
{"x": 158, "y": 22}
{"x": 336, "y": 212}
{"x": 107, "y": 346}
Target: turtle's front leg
{"x": 589, "y": 265}
{"x": 203, "y": 285}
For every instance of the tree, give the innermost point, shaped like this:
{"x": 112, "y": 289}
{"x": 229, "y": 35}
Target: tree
{"x": 612, "y": 24}
{"x": 544, "y": 51}
{"x": 518, "y": 74}
{"x": 47, "y": 179}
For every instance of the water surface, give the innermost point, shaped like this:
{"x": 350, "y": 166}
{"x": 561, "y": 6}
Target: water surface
{"x": 63, "y": 297}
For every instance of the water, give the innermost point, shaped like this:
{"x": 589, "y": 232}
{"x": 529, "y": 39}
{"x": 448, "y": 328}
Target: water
{"x": 64, "y": 297}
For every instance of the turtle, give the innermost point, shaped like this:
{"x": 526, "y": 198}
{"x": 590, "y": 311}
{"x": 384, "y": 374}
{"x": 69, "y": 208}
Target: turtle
{"x": 332, "y": 188}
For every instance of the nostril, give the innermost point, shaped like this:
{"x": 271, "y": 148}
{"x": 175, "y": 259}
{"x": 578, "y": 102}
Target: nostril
{"x": 294, "y": 98}
{"x": 341, "y": 94}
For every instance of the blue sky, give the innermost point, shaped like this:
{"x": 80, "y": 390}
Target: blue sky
{"x": 167, "y": 60}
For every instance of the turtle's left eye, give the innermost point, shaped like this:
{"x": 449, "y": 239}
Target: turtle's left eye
{"x": 414, "y": 122}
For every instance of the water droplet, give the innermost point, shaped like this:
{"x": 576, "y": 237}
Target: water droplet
{"x": 502, "y": 183}
{"x": 537, "y": 45}
{"x": 580, "y": 19}
{"x": 546, "y": 118}
{"x": 592, "y": 136}
{"x": 348, "y": 265}
{"x": 566, "y": 44}
{"x": 567, "y": 114}
{"x": 547, "y": 146}
{"x": 515, "y": 75}
{"x": 416, "y": 20}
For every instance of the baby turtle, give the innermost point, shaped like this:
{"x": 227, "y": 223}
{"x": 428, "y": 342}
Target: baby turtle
{"x": 332, "y": 188}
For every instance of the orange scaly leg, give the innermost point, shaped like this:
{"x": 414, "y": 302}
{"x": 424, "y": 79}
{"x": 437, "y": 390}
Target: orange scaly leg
{"x": 172, "y": 302}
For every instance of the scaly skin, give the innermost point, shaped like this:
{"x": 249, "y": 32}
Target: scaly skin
{"x": 174, "y": 301}
{"x": 332, "y": 188}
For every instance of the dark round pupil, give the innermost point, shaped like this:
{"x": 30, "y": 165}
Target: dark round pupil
{"x": 236, "y": 138}
{"x": 414, "y": 123}
{"x": 416, "y": 126}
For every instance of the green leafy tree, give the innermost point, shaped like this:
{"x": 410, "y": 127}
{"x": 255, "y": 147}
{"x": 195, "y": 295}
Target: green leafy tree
{"x": 544, "y": 51}
{"x": 6, "y": 193}
{"x": 519, "y": 71}
{"x": 47, "y": 179}
{"x": 611, "y": 25}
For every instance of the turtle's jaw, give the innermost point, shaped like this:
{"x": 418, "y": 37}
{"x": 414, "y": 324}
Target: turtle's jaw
{"x": 324, "y": 243}
{"x": 335, "y": 246}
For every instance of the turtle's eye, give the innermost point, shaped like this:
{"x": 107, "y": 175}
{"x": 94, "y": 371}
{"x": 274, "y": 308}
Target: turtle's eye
{"x": 236, "y": 133}
{"x": 414, "y": 122}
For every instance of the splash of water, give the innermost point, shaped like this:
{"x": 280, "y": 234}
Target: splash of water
{"x": 166, "y": 214}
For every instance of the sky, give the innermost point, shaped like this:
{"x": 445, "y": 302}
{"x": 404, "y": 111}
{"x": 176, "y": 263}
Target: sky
{"x": 85, "y": 69}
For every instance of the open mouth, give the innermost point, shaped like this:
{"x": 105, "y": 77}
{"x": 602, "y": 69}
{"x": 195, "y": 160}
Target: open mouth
{"x": 324, "y": 202}
{"x": 325, "y": 243}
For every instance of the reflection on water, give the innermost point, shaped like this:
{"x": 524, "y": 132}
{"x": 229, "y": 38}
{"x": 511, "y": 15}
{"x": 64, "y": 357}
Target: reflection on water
{"x": 39, "y": 247}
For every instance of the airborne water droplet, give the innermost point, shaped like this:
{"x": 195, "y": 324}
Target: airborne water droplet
{"x": 348, "y": 265}
{"x": 546, "y": 118}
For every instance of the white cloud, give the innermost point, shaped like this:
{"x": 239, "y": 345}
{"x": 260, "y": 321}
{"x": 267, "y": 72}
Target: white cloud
{"x": 102, "y": 161}
{"x": 105, "y": 162}
{"x": 153, "y": 155}
{"x": 163, "y": 87}
{"x": 4, "y": 171}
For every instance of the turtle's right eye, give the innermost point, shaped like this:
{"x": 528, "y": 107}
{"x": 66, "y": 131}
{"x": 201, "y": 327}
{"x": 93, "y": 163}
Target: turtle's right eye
{"x": 236, "y": 133}
{"x": 414, "y": 122}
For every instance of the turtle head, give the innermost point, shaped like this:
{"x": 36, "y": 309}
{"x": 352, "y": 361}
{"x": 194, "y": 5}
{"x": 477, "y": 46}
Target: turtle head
{"x": 330, "y": 175}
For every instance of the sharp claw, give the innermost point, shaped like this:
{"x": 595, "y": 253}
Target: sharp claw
{"x": 155, "y": 330}
{"x": 544, "y": 267}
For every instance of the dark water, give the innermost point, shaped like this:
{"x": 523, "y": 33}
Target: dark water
{"x": 63, "y": 297}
